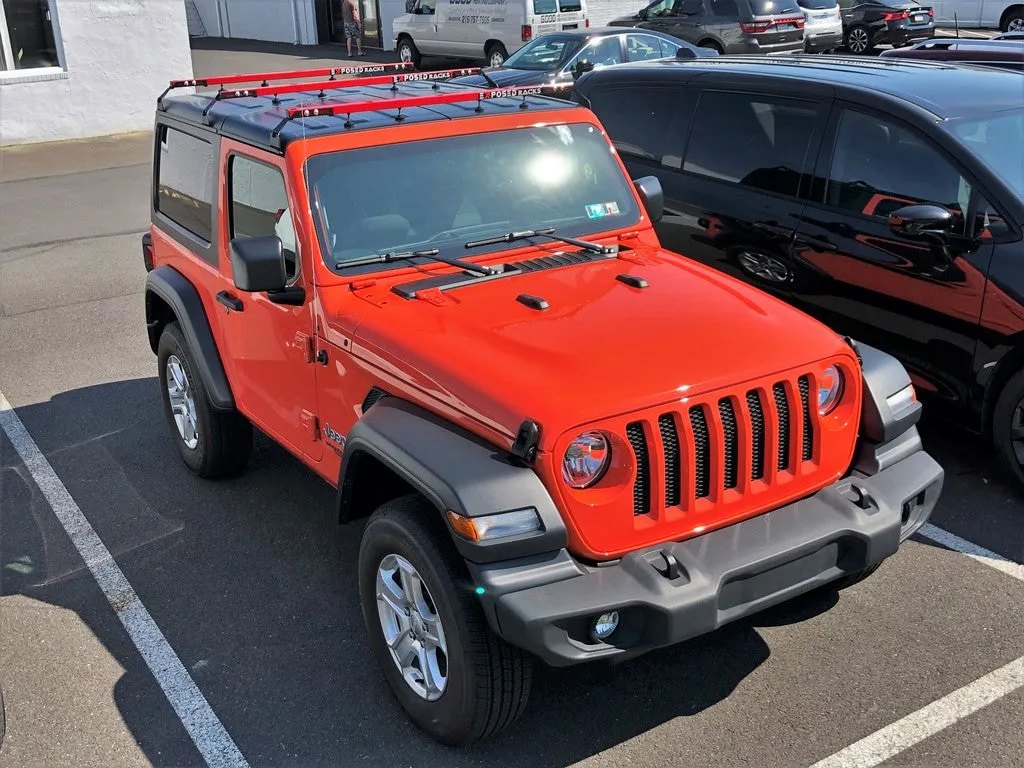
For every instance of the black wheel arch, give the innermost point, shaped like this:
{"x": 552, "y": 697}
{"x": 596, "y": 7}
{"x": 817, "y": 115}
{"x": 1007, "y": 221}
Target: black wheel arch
{"x": 171, "y": 297}
{"x": 1009, "y": 363}
{"x": 397, "y": 447}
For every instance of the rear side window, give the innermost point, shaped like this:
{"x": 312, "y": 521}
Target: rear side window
{"x": 185, "y": 179}
{"x": 773, "y": 7}
{"x": 726, "y": 8}
{"x": 259, "y": 206}
{"x": 637, "y": 119}
{"x": 752, "y": 141}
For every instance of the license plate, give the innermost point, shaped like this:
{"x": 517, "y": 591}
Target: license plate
{"x": 825, "y": 15}
{"x": 918, "y": 17}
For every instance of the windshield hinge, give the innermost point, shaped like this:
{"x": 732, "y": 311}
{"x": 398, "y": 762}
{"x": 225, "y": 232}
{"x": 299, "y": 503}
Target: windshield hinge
{"x": 435, "y": 296}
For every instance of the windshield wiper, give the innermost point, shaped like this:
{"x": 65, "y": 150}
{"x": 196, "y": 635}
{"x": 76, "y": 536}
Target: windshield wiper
{"x": 384, "y": 258}
{"x": 526, "y": 234}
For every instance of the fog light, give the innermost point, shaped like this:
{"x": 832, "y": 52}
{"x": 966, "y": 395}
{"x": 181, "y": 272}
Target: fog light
{"x": 605, "y": 624}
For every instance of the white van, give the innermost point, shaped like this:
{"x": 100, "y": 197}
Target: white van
{"x": 480, "y": 29}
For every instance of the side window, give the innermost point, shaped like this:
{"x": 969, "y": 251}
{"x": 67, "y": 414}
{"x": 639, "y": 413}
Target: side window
{"x": 668, "y": 50}
{"x": 664, "y": 8}
{"x": 603, "y": 52}
{"x": 184, "y": 180}
{"x": 637, "y": 120}
{"x": 726, "y": 8}
{"x": 259, "y": 206}
{"x": 750, "y": 140}
{"x": 691, "y": 8}
{"x": 646, "y": 47}
{"x": 988, "y": 222}
{"x": 878, "y": 166}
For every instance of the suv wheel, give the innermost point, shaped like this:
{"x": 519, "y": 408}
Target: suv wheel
{"x": 1014, "y": 22}
{"x": 212, "y": 443}
{"x": 454, "y": 678}
{"x": 858, "y": 39}
{"x": 1008, "y": 427}
{"x": 407, "y": 51}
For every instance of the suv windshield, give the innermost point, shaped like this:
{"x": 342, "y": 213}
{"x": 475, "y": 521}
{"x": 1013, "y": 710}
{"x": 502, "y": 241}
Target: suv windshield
{"x": 999, "y": 141}
{"x": 773, "y": 7}
{"x": 545, "y": 53}
{"x": 440, "y": 193}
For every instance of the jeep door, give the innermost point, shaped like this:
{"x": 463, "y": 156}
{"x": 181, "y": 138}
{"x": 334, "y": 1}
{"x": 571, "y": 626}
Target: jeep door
{"x": 733, "y": 182}
{"x": 270, "y": 361}
{"x": 902, "y": 295}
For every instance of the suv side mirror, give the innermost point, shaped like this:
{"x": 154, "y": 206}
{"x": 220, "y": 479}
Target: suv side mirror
{"x": 652, "y": 196}
{"x": 257, "y": 264}
{"x": 923, "y": 222}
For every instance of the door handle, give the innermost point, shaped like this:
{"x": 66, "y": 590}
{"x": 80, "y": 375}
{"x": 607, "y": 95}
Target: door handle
{"x": 229, "y": 301}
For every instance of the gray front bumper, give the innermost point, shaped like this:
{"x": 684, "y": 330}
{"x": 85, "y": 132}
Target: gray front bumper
{"x": 678, "y": 590}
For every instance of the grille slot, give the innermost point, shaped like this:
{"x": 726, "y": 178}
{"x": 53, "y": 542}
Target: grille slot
{"x": 782, "y": 405}
{"x": 702, "y": 452}
{"x": 756, "y": 435}
{"x": 804, "y": 384}
{"x": 728, "y": 416}
{"x": 670, "y": 443}
{"x": 642, "y": 486}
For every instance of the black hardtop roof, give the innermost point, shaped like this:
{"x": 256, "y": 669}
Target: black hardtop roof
{"x": 261, "y": 122}
{"x": 945, "y": 89}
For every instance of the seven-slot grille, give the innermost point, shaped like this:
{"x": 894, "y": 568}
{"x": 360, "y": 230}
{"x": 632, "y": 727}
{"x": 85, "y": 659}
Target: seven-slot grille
{"x": 727, "y": 444}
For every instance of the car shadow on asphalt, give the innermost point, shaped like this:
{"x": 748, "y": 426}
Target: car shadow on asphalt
{"x": 253, "y": 583}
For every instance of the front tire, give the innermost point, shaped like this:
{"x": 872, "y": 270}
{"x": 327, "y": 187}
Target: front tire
{"x": 407, "y": 51}
{"x": 454, "y": 678}
{"x": 1014, "y": 22}
{"x": 212, "y": 443}
{"x": 858, "y": 39}
{"x": 1008, "y": 428}
{"x": 495, "y": 54}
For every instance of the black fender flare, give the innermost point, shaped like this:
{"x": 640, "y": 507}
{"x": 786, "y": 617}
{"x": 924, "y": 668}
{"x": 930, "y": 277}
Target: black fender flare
{"x": 455, "y": 470}
{"x": 888, "y": 419}
{"x": 183, "y": 299}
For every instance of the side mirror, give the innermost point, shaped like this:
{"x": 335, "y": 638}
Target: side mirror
{"x": 922, "y": 222}
{"x": 257, "y": 264}
{"x": 652, "y": 196}
{"x": 580, "y": 67}
{"x": 686, "y": 52}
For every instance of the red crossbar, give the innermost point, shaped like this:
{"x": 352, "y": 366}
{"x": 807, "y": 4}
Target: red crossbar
{"x": 267, "y": 76}
{"x": 335, "y": 108}
{"x": 276, "y": 90}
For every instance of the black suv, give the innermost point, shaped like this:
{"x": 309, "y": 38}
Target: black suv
{"x": 880, "y": 22}
{"x": 883, "y": 196}
{"x": 727, "y": 26}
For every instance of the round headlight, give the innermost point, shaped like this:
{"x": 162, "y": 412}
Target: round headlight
{"x": 830, "y": 389}
{"x": 585, "y": 460}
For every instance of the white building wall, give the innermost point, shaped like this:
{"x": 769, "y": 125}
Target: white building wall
{"x": 283, "y": 21}
{"x": 119, "y": 56}
{"x": 603, "y": 11}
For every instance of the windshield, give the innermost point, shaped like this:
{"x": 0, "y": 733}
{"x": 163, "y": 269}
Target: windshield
{"x": 441, "y": 193}
{"x": 999, "y": 141}
{"x": 773, "y": 7}
{"x": 544, "y": 54}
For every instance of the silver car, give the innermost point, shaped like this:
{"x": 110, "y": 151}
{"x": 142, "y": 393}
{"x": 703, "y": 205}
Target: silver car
{"x": 823, "y": 28}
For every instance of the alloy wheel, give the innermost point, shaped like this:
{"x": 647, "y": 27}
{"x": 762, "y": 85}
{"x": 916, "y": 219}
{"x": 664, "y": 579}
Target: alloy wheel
{"x": 857, "y": 40}
{"x": 183, "y": 404}
{"x": 497, "y": 59}
{"x": 1015, "y": 25}
{"x": 412, "y": 629}
{"x": 766, "y": 267}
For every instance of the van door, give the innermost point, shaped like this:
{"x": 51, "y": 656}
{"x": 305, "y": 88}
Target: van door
{"x": 736, "y": 193}
{"x": 423, "y": 25}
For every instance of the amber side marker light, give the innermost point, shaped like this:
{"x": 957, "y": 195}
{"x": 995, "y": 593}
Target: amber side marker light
{"x": 497, "y": 526}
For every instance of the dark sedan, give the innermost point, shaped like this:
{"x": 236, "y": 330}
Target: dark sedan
{"x": 558, "y": 56}
{"x": 1006, "y": 54}
{"x": 881, "y": 22}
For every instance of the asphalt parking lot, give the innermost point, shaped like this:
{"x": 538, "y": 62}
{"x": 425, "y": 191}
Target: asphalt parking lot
{"x": 252, "y": 583}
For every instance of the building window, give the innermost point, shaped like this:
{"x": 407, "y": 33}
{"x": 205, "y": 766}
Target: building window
{"x": 28, "y": 31}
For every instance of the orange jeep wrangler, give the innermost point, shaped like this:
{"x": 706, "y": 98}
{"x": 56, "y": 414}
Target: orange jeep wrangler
{"x": 567, "y": 443}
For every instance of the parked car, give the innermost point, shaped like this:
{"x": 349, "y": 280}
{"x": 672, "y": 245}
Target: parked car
{"x": 1006, "y": 54}
{"x": 727, "y": 26}
{"x": 823, "y": 25}
{"x": 884, "y": 197}
{"x": 443, "y": 351}
{"x": 1005, "y": 15}
{"x": 455, "y": 29}
{"x": 884, "y": 22}
{"x": 559, "y": 56}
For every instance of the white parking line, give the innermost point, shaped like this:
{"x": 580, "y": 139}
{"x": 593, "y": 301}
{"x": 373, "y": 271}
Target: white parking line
{"x": 929, "y": 720}
{"x": 206, "y": 730}
{"x": 973, "y": 551}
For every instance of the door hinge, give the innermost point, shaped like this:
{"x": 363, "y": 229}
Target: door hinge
{"x": 305, "y": 344}
{"x": 312, "y": 423}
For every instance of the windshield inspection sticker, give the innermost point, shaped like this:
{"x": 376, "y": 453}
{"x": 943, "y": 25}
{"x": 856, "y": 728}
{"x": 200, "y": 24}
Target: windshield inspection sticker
{"x": 602, "y": 209}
